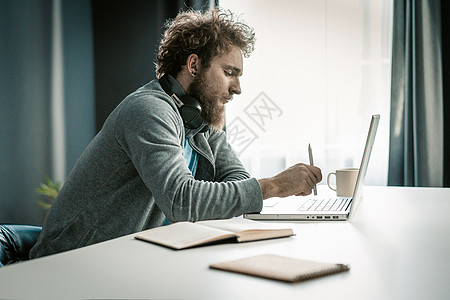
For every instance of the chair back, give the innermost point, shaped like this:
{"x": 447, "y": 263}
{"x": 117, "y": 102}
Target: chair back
{"x": 16, "y": 242}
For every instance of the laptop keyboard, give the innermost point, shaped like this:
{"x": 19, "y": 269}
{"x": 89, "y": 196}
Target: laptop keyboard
{"x": 332, "y": 204}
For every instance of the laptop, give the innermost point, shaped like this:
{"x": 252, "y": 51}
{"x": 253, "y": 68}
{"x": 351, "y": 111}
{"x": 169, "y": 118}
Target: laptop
{"x": 318, "y": 208}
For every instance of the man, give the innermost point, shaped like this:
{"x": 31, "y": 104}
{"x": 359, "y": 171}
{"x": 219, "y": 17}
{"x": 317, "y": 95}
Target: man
{"x": 158, "y": 159}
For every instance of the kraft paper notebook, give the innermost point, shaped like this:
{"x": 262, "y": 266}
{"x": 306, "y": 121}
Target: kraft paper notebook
{"x": 280, "y": 267}
{"x": 183, "y": 235}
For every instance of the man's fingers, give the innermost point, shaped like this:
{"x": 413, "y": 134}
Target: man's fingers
{"x": 306, "y": 184}
{"x": 315, "y": 173}
{"x": 299, "y": 179}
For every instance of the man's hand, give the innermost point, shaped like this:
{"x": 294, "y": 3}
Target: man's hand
{"x": 298, "y": 180}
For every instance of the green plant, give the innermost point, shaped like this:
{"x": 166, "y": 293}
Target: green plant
{"x": 48, "y": 191}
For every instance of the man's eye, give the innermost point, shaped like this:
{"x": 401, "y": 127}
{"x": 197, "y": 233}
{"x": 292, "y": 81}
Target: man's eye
{"x": 228, "y": 73}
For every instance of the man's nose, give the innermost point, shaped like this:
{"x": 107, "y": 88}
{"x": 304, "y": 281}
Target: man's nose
{"x": 236, "y": 87}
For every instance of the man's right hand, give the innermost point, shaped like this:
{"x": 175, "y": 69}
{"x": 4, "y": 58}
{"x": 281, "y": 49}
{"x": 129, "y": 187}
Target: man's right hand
{"x": 297, "y": 180}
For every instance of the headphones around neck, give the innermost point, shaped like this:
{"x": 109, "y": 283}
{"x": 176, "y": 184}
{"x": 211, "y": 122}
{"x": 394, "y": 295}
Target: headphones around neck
{"x": 190, "y": 108}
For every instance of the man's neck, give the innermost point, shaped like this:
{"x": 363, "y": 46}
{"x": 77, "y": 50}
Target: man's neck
{"x": 185, "y": 80}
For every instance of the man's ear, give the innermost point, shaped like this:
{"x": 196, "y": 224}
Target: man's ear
{"x": 193, "y": 64}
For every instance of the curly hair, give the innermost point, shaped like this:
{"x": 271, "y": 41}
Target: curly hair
{"x": 206, "y": 34}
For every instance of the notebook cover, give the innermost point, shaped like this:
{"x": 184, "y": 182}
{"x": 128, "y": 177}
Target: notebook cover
{"x": 280, "y": 267}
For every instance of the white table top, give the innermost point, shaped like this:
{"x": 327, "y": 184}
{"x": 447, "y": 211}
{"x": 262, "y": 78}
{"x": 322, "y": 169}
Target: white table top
{"x": 397, "y": 244}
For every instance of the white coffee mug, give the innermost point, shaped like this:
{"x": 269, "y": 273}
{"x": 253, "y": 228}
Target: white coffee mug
{"x": 345, "y": 181}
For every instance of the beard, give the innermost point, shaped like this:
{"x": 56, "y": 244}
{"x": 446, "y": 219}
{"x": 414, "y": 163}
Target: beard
{"x": 204, "y": 92}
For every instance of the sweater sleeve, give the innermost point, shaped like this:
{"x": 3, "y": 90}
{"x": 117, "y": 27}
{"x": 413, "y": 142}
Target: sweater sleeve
{"x": 227, "y": 165}
{"x": 150, "y": 131}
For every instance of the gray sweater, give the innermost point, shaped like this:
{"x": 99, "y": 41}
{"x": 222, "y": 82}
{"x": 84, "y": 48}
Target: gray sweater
{"x": 133, "y": 176}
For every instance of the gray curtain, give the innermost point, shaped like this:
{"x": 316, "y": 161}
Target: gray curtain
{"x": 25, "y": 47}
{"x": 417, "y": 120}
{"x": 27, "y": 82}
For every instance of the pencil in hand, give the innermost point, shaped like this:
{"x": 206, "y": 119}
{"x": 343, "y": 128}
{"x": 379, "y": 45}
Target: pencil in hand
{"x": 311, "y": 162}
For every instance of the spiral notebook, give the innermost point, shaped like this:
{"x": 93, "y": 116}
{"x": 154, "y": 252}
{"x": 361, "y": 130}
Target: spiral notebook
{"x": 280, "y": 267}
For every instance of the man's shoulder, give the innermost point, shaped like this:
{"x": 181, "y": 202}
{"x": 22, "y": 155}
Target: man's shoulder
{"x": 150, "y": 97}
{"x": 151, "y": 91}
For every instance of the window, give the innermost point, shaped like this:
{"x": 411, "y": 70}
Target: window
{"x": 320, "y": 70}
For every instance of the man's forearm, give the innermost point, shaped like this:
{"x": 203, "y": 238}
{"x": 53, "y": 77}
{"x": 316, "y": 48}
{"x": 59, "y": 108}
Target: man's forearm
{"x": 268, "y": 188}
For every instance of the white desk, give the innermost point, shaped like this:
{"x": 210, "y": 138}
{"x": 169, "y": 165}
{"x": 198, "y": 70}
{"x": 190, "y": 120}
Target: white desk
{"x": 393, "y": 254}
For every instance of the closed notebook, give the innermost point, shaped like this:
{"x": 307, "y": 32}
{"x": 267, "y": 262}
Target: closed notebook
{"x": 280, "y": 267}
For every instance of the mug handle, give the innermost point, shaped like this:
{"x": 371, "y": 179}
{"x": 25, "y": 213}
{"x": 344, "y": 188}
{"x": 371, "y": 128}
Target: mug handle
{"x": 328, "y": 180}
